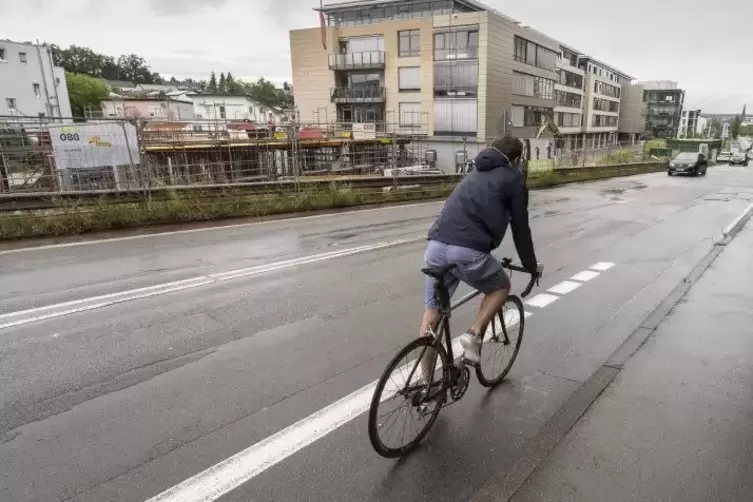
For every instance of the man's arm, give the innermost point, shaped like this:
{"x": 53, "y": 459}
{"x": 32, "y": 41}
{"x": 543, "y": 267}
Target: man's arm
{"x": 521, "y": 230}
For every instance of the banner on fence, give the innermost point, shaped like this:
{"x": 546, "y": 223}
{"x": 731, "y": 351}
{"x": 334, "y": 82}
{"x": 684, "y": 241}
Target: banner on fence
{"x": 89, "y": 146}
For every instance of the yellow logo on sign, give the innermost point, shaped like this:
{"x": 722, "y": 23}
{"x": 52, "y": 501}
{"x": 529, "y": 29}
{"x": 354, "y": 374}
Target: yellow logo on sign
{"x": 94, "y": 140}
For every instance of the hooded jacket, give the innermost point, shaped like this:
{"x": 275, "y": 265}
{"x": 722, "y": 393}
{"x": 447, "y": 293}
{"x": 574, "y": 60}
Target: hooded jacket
{"x": 478, "y": 211}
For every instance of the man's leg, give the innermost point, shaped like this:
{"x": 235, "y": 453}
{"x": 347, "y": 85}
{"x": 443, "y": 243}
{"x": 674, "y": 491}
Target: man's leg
{"x": 488, "y": 277}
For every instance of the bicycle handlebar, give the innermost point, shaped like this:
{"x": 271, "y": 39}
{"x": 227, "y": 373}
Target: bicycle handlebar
{"x": 507, "y": 263}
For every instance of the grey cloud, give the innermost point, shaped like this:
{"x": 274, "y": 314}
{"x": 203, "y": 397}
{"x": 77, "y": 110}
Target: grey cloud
{"x": 178, "y": 7}
{"x": 283, "y": 11}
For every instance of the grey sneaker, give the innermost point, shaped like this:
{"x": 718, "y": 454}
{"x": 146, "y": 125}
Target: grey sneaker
{"x": 472, "y": 346}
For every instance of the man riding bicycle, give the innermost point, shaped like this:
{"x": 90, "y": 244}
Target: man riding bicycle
{"x": 471, "y": 225}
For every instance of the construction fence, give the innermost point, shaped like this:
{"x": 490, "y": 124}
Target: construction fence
{"x": 41, "y": 155}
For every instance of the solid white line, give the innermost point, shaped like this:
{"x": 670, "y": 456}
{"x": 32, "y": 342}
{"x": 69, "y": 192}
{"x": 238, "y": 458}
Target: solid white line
{"x": 75, "y": 306}
{"x": 737, "y": 220}
{"x": 207, "y": 229}
{"x": 542, "y": 300}
{"x": 565, "y": 287}
{"x": 602, "y": 266}
{"x": 216, "y": 481}
{"x": 585, "y": 276}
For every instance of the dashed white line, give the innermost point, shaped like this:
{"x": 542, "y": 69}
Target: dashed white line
{"x": 542, "y": 300}
{"x": 565, "y": 287}
{"x": 602, "y": 266}
{"x": 585, "y": 276}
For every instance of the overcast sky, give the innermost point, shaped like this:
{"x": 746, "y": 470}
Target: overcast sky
{"x": 706, "y": 46}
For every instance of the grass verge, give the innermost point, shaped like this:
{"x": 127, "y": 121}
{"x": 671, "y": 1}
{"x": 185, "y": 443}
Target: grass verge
{"x": 75, "y": 219}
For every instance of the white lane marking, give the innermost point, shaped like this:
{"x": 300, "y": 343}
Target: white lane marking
{"x": 542, "y": 300}
{"x": 565, "y": 287}
{"x": 602, "y": 266}
{"x": 585, "y": 276}
{"x": 71, "y": 307}
{"x": 208, "y": 229}
{"x": 737, "y": 220}
{"x": 222, "y": 478}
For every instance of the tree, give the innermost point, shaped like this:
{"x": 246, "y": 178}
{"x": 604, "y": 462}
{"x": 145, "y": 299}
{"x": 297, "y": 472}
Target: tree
{"x": 85, "y": 91}
{"x": 734, "y": 128}
{"x": 85, "y": 61}
{"x": 212, "y": 87}
{"x": 222, "y": 88}
{"x": 231, "y": 85}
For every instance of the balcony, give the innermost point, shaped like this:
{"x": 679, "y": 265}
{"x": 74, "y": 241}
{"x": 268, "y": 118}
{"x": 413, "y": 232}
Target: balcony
{"x": 369, "y": 94}
{"x": 371, "y": 60}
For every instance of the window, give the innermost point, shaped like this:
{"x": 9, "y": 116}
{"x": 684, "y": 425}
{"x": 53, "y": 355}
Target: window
{"x": 2, "y": 55}
{"x": 456, "y": 78}
{"x": 569, "y": 99}
{"x": 535, "y": 55}
{"x": 455, "y": 116}
{"x": 251, "y": 111}
{"x": 456, "y": 45}
{"x": 22, "y": 57}
{"x": 11, "y": 102}
{"x": 409, "y": 43}
{"x": 604, "y": 121}
{"x": 604, "y": 105}
{"x": 362, "y": 44}
{"x": 571, "y": 80}
{"x": 410, "y": 114}
{"x": 37, "y": 91}
{"x": 409, "y": 78}
{"x": 568, "y": 119}
{"x": 528, "y": 116}
{"x": 606, "y": 89}
{"x": 530, "y": 85}
{"x": 223, "y": 113}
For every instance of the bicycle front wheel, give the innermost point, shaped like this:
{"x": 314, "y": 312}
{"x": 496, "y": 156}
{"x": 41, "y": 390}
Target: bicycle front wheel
{"x": 404, "y": 394}
{"x": 501, "y": 343}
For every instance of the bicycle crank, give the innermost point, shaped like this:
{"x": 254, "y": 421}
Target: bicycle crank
{"x": 463, "y": 381}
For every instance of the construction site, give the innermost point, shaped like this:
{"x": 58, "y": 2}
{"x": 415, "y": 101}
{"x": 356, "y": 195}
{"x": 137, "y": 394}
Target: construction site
{"x": 117, "y": 154}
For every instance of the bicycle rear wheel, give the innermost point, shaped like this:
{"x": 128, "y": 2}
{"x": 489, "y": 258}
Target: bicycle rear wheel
{"x": 415, "y": 398}
{"x": 501, "y": 343}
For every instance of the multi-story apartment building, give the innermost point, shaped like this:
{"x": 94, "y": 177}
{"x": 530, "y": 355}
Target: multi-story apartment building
{"x": 453, "y": 69}
{"x": 633, "y": 110}
{"x": 692, "y": 124}
{"x": 664, "y": 101}
{"x": 30, "y": 85}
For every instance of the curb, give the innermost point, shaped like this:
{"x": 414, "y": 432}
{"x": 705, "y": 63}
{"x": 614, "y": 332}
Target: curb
{"x": 504, "y": 485}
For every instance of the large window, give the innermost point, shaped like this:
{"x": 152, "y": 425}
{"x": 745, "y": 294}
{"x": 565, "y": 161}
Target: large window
{"x": 362, "y": 44}
{"x": 415, "y": 9}
{"x": 361, "y": 80}
{"x": 536, "y": 55}
{"x": 606, "y": 89}
{"x": 455, "y": 117}
{"x": 571, "y": 79}
{"x": 530, "y": 85}
{"x": 568, "y": 119}
{"x": 410, "y": 114}
{"x": 569, "y": 99}
{"x": 528, "y": 116}
{"x": 409, "y": 43}
{"x": 409, "y": 78}
{"x": 456, "y": 45}
{"x": 605, "y": 105}
{"x": 604, "y": 121}
{"x": 456, "y": 78}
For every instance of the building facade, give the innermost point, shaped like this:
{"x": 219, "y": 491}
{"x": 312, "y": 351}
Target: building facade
{"x": 453, "y": 70}
{"x": 633, "y": 111}
{"x": 241, "y": 107}
{"x": 177, "y": 108}
{"x": 30, "y": 85}
{"x": 692, "y": 124}
{"x": 664, "y": 102}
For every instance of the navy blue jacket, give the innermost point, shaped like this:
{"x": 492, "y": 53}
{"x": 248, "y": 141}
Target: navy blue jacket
{"x": 478, "y": 211}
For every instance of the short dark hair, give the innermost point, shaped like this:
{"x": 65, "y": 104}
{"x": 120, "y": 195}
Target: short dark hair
{"x": 510, "y": 146}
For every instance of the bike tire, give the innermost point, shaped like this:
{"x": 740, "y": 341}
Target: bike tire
{"x": 488, "y": 380}
{"x": 376, "y": 441}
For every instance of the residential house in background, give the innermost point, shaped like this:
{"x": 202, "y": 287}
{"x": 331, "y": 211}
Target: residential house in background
{"x": 159, "y": 107}
{"x": 30, "y": 85}
{"x": 456, "y": 71}
{"x": 692, "y": 124}
{"x": 239, "y": 107}
{"x": 664, "y": 101}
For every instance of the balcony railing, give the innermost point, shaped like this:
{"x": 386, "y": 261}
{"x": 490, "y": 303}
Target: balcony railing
{"x": 369, "y": 94}
{"x": 357, "y": 60}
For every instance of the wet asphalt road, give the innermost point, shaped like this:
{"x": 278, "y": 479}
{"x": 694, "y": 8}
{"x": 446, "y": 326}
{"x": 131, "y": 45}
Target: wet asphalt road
{"x": 125, "y": 401}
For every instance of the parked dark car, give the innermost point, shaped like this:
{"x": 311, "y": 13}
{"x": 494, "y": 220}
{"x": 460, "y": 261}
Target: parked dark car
{"x": 688, "y": 163}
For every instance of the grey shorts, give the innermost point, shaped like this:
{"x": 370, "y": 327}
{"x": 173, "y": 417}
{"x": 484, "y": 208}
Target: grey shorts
{"x": 481, "y": 271}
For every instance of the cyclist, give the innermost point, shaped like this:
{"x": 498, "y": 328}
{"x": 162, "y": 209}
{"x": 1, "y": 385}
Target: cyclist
{"x": 471, "y": 225}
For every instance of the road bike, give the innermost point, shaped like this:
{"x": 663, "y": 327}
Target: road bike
{"x": 424, "y": 397}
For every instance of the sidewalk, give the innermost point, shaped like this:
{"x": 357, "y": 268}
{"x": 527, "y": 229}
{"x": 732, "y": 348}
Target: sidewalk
{"x": 677, "y": 423}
